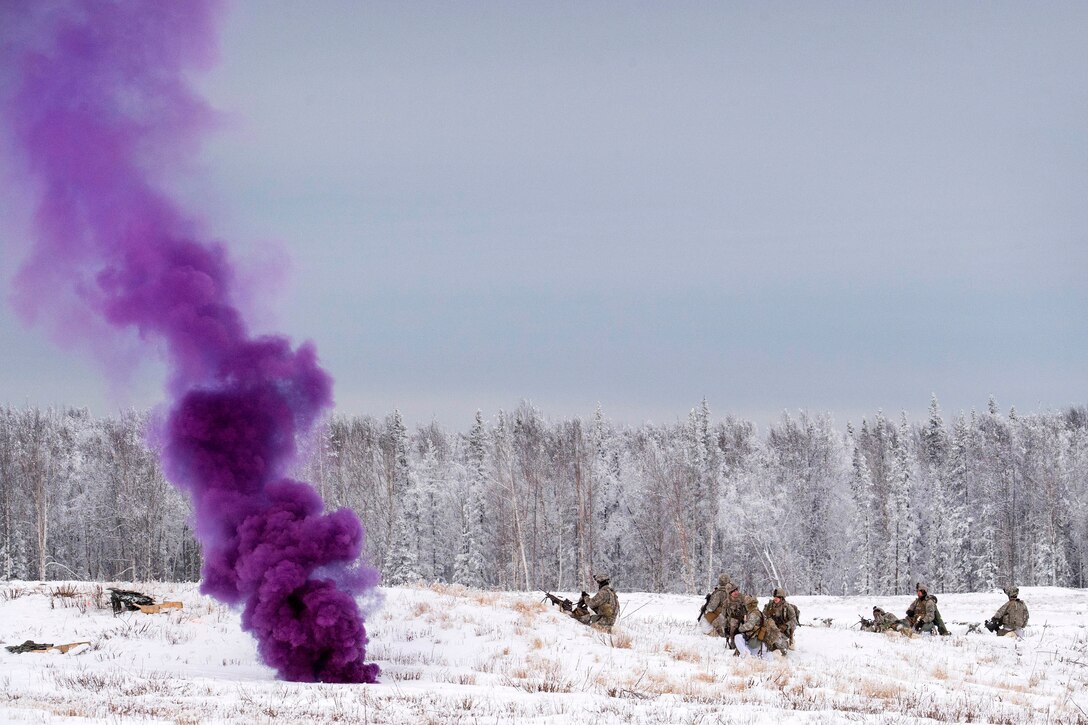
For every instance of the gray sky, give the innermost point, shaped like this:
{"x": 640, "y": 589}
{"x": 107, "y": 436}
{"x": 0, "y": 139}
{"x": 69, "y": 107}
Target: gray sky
{"x": 831, "y": 206}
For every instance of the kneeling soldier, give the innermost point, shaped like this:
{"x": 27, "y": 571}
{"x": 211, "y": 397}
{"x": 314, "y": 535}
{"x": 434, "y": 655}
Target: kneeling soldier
{"x": 923, "y": 615}
{"x": 757, "y": 635}
{"x": 1012, "y": 617}
{"x": 783, "y": 614}
{"x": 714, "y": 610}
{"x": 604, "y": 604}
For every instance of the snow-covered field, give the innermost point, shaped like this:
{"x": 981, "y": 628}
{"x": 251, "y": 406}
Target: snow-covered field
{"x": 453, "y": 655}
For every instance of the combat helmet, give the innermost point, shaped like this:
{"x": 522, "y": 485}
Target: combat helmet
{"x": 779, "y": 592}
{"x": 1012, "y": 591}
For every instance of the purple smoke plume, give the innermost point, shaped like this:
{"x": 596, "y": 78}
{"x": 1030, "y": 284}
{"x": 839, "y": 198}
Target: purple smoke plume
{"x": 96, "y": 109}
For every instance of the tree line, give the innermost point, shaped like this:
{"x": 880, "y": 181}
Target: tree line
{"x": 524, "y": 502}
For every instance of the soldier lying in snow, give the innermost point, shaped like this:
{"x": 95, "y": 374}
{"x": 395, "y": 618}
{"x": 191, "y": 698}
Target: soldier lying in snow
{"x": 885, "y": 622}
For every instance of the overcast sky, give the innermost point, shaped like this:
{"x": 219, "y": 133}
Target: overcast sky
{"x": 832, "y": 206}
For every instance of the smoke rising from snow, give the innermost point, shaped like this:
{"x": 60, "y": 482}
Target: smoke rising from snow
{"x": 96, "y": 109}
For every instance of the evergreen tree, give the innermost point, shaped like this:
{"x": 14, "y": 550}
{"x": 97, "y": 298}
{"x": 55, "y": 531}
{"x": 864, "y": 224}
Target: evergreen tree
{"x": 469, "y": 566}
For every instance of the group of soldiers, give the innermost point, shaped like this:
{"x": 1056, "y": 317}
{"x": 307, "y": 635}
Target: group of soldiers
{"x": 924, "y": 617}
{"x": 748, "y": 631}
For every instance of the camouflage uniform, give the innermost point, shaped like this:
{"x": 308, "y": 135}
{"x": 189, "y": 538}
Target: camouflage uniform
{"x": 605, "y": 604}
{"x": 718, "y": 603}
{"x": 885, "y": 621}
{"x": 1013, "y": 615}
{"x": 733, "y": 613}
{"x": 923, "y": 615}
{"x": 758, "y": 634}
{"x": 783, "y": 614}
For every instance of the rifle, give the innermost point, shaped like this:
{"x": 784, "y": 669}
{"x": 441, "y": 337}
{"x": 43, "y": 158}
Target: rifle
{"x": 866, "y": 624}
{"x": 702, "y": 610}
{"x": 565, "y": 604}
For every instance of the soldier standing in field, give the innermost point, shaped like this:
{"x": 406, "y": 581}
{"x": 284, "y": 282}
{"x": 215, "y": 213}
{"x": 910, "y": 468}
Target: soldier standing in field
{"x": 605, "y": 605}
{"x": 1012, "y": 617}
{"x": 784, "y": 614}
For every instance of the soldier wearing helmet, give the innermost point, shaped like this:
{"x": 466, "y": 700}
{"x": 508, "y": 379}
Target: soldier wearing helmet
{"x": 716, "y": 604}
{"x": 1012, "y": 617}
{"x": 784, "y": 614}
{"x": 605, "y": 605}
{"x": 757, "y": 634}
{"x": 923, "y": 615}
{"x": 886, "y": 621}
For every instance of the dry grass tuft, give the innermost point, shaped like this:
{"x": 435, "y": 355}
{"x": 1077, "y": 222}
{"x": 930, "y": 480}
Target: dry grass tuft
{"x": 527, "y": 608}
{"x": 622, "y": 639}
{"x": 878, "y": 690}
{"x": 11, "y": 593}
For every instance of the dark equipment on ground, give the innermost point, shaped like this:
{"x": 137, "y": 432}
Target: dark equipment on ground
{"x": 32, "y": 646}
{"x": 123, "y": 600}
{"x": 574, "y": 609}
{"x": 992, "y": 624}
{"x": 29, "y": 646}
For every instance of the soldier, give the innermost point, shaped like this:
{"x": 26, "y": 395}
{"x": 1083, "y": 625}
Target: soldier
{"x": 733, "y": 613}
{"x": 604, "y": 604}
{"x": 783, "y": 614}
{"x": 757, "y": 634}
{"x": 1012, "y": 617}
{"x": 923, "y": 615}
{"x": 885, "y": 621}
{"x": 716, "y": 603}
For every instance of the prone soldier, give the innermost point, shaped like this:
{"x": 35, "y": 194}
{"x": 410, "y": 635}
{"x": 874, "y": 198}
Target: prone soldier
{"x": 884, "y": 622}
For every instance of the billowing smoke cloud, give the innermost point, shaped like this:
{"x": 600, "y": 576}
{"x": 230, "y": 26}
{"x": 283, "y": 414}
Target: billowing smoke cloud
{"x": 96, "y": 111}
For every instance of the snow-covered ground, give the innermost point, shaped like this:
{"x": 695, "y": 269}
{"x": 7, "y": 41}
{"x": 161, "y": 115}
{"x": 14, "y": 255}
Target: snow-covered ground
{"x": 452, "y": 655}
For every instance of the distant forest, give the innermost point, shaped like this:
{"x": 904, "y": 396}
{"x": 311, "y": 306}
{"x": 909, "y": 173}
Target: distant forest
{"x": 520, "y": 501}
